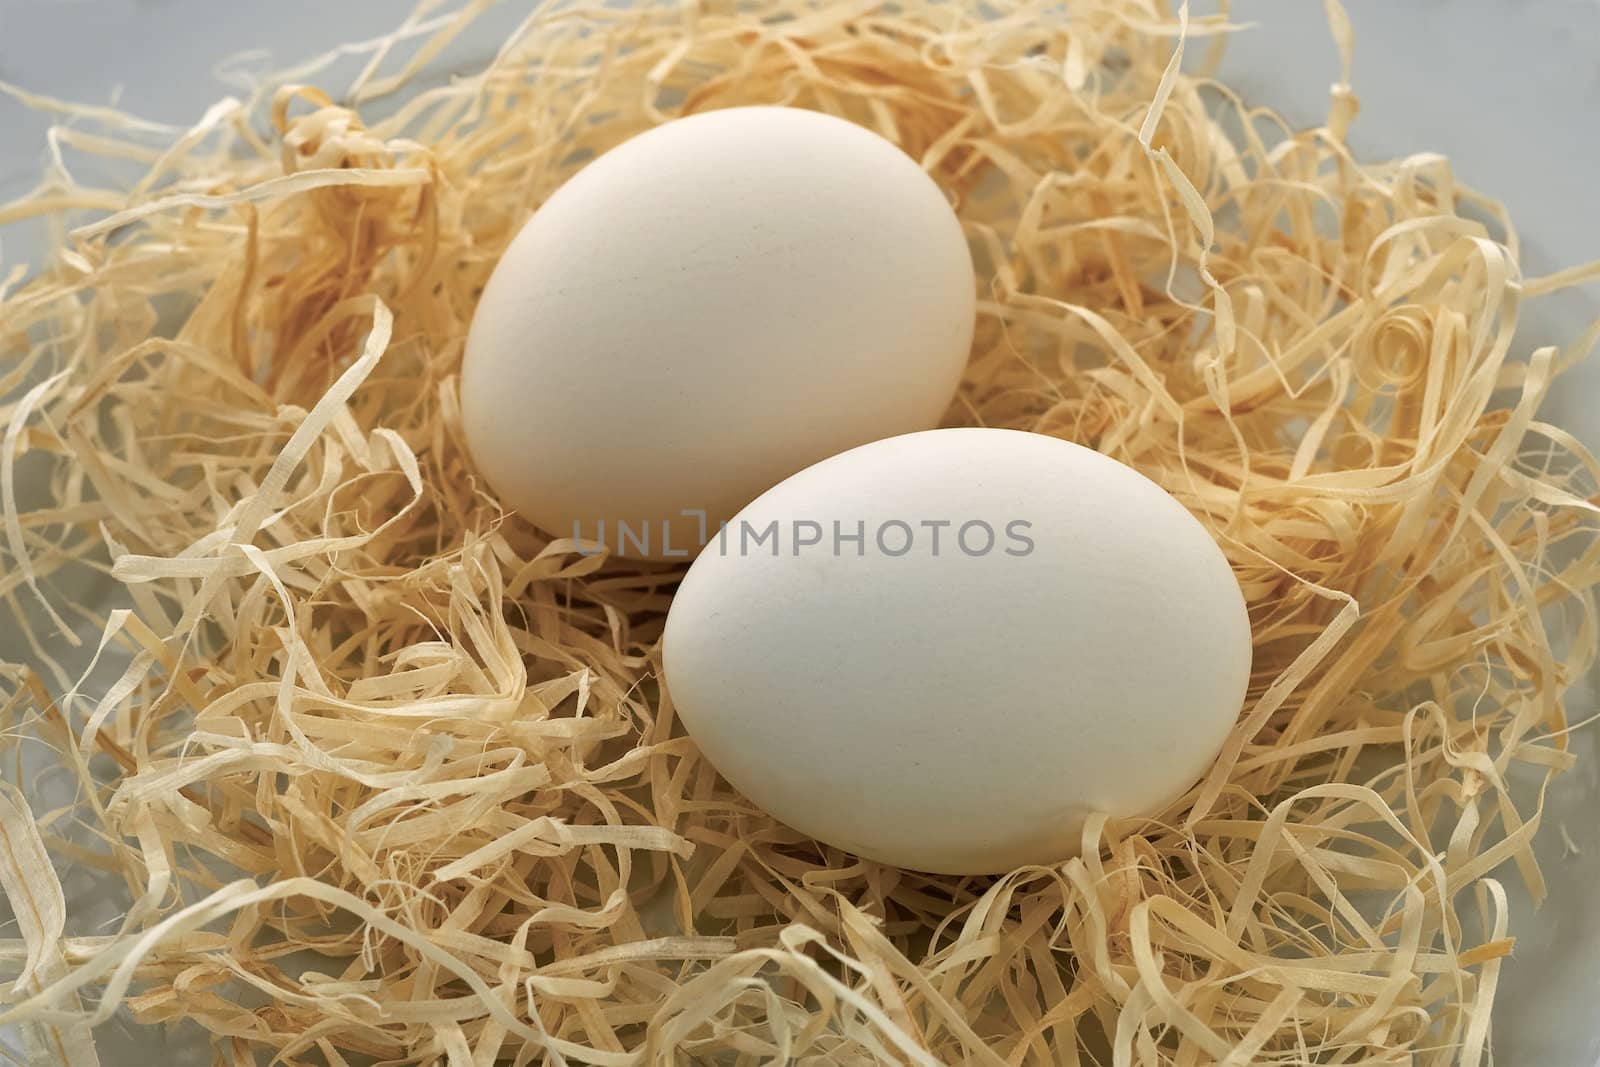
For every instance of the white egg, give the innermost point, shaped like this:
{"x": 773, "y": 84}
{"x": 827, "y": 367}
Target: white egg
{"x": 706, "y": 309}
{"x": 1026, "y": 631}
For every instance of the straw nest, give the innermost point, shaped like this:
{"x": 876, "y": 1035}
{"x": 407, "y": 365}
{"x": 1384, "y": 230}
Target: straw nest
{"x": 381, "y": 774}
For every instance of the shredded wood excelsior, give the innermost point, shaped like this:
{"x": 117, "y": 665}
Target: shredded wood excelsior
{"x": 384, "y": 774}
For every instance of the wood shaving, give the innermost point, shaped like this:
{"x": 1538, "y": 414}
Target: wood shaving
{"x": 384, "y": 774}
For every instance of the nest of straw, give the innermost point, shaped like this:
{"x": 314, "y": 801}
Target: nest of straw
{"x": 381, "y": 774}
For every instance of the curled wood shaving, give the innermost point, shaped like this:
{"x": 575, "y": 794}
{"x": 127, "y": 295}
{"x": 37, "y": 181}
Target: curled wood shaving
{"x": 382, "y": 773}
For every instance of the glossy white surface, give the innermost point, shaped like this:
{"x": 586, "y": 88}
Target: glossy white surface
{"x": 1509, "y": 89}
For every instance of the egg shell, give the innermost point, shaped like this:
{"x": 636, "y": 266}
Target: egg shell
{"x": 706, "y": 309}
{"x": 948, "y": 709}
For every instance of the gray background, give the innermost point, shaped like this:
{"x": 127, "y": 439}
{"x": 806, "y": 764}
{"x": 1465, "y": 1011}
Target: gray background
{"x": 1509, "y": 89}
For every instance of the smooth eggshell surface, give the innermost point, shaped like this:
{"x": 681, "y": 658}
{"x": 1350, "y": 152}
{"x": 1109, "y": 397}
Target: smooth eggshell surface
{"x": 706, "y": 309}
{"x": 960, "y": 708}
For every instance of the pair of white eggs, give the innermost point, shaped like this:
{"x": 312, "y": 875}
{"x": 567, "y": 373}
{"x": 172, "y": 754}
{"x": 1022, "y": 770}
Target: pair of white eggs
{"x": 727, "y": 339}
